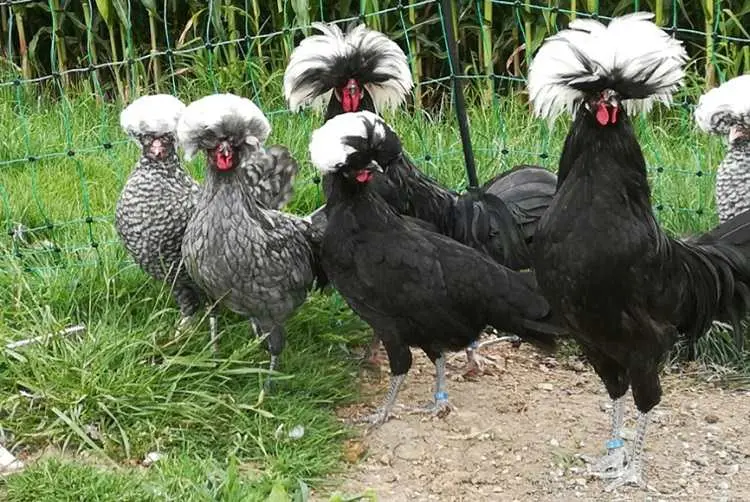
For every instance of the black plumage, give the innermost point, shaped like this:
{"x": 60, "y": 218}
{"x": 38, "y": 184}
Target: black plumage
{"x": 363, "y": 70}
{"x": 416, "y": 288}
{"x": 626, "y": 290}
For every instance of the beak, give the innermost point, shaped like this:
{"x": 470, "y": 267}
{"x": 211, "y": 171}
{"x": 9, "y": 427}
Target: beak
{"x": 157, "y": 148}
{"x": 374, "y": 166}
{"x": 736, "y": 133}
{"x": 225, "y": 148}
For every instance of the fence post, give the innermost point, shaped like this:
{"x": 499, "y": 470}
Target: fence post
{"x": 446, "y": 15}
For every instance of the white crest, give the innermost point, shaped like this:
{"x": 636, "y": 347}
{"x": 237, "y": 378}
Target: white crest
{"x": 217, "y": 116}
{"x": 329, "y": 148}
{"x": 725, "y": 106}
{"x": 155, "y": 114}
{"x": 321, "y": 62}
{"x": 631, "y": 55}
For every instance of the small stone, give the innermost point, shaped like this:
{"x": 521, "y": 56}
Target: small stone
{"x": 151, "y": 458}
{"x": 682, "y": 482}
{"x": 711, "y": 418}
{"x": 733, "y": 469}
{"x": 701, "y": 461}
{"x": 722, "y": 485}
{"x": 722, "y": 470}
{"x": 554, "y": 443}
{"x": 577, "y": 366}
{"x": 386, "y": 459}
{"x": 390, "y": 477}
{"x": 545, "y": 386}
{"x": 721, "y": 454}
{"x": 580, "y": 481}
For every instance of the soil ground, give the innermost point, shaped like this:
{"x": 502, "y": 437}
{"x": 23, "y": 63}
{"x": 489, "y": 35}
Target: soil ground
{"x": 517, "y": 434}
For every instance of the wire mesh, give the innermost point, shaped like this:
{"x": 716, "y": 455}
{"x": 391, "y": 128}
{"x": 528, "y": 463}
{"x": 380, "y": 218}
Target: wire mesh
{"x": 68, "y": 65}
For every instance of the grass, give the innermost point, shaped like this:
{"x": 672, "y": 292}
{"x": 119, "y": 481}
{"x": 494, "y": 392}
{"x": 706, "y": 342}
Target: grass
{"x": 102, "y": 400}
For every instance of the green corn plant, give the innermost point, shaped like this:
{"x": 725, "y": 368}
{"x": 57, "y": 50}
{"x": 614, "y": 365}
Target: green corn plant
{"x": 57, "y": 17}
{"x": 155, "y": 63}
{"x": 23, "y": 48}
{"x": 710, "y": 70}
{"x": 487, "y": 46}
{"x": 416, "y": 57}
{"x": 107, "y": 12}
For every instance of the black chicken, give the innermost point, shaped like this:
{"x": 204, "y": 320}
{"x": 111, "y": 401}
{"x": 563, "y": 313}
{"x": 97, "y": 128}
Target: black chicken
{"x": 363, "y": 70}
{"x": 414, "y": 287}
{"x": 238, "y": 248}
{"x": 626, "y": 290}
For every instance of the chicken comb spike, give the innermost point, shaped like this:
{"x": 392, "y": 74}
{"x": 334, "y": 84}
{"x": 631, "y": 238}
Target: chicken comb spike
{"x": 156, "y": 114}
{"x": 725, "y": 106}
{"x": 328, "y": 60}
{"x": 631, "y": 56}
{"x": 220, "y": 115}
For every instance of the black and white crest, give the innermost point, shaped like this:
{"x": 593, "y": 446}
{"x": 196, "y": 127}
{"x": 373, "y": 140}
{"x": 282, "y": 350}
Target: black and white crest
{"x": 155, "y": 114}
{"x": 631, "y": 56}
{"x": 725, "y": 107}
{"x": 324, "y": 62}
{"x": 349, "y": 136}
{"x": 210, "y": 119}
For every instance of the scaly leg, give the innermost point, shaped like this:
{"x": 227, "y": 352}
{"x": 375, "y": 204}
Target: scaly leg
{"x": 440, "y": 407}
{"x": 475, "y": 363}
{"x": 275, "y": 341}
{"x": 382, "y": 413}
{"x": 613, "y": 463}
{"x": 633, "y": 474}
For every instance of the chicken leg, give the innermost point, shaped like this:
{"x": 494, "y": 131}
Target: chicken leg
{"x": 382, "y": 413}
{"x": 614, "y": 462}
{"x": 440, "y": 407}
{"x": 633, "y": 473}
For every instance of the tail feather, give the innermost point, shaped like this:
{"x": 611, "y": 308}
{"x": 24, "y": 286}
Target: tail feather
{"x": 718, "y": 286}
{"x": 483, "y": 221}
{"x": 527, "y": 191}
{"x": 313, "y": 227}
{"x": 272, "y": 178}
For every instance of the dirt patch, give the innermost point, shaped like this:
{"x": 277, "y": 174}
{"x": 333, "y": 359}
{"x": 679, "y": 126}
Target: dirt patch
{"x": 518, "y": 434}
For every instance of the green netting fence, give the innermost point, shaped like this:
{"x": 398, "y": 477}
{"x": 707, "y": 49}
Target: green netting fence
{"x": 66, "y": 67}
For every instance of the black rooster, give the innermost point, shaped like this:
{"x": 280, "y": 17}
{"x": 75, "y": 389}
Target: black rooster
{"x": 626, "y": 290}
{"x": 413, "y": 286}
{"x": 364, "y": 70}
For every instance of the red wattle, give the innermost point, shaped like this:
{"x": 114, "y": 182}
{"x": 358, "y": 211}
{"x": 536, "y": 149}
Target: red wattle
{"x": 223, "y": 162}
{"x": 363, "y": 176}
{"x": 602, "y": 115}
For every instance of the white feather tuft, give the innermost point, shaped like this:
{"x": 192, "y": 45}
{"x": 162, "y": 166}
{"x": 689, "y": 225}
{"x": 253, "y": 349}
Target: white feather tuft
{"x": 390, "y": 93}
{"x": 211, "y": 118}
{"x": 631, "y": 55}
{"x": 320, "y": 62}
{"x": 725, "y": 106}
{"x": 328, "y": 148}
{"x": 156, "y": 115}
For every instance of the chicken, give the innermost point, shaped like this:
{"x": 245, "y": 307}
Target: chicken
{"x": 414, "y": 287}
{"x": 158, "y": 199}
{"x": 726, "y": 110}
{"x": 256, "y": 261}
{"x": 626, "y": 290}
{"x": 363, "y": 70}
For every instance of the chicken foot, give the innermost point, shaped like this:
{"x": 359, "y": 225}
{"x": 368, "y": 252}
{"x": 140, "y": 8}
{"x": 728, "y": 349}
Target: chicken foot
{"x": 614, "y": 462}
{"x": 633, "y": 473}
{"x": 382, "y": 413}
